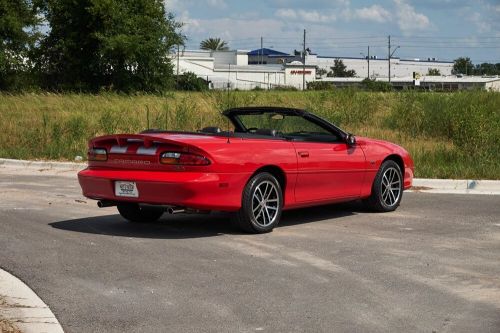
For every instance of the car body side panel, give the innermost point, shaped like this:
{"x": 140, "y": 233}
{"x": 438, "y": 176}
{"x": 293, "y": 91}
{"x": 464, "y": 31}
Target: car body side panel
{"x": 328, "y": 171}
{"x": 249, "y": 155}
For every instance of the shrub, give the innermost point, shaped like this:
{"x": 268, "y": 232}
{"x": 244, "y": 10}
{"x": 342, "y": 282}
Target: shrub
{"x": 284, "y": 88}
{"x": 190, "y": 82}
{"x": 320, "y": 85}
{"x": 373, "y": 85}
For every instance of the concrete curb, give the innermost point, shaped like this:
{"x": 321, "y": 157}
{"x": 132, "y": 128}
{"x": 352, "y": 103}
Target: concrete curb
{"x": 453, "y": 186}
{"x": 21, "y": 306}
{"x": 42, "y": 164}
{"x": 459, "y": 186}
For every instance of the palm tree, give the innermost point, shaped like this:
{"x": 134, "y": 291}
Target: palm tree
{"x": 214, "y": 44}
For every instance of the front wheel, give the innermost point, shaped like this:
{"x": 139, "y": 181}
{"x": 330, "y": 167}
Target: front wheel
{"x": 387, "y": 188}
{"x": 140, "y": 214}
{"x": 261, "y": 204}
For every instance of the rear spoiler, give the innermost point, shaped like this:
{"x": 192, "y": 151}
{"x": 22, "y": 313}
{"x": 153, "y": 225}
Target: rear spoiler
{"x": 146, "y": 140}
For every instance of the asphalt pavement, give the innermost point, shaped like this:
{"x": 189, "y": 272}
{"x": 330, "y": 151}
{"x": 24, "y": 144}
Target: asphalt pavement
{"x": 431, "y": 266}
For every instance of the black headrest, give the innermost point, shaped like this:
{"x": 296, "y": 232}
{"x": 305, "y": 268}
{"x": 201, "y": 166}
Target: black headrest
{"x": 265, "y": 131}
{"x": 211, "y": 129}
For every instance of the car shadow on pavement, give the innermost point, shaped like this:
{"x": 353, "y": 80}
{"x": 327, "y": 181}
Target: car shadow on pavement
{"x": 196, "y": 225}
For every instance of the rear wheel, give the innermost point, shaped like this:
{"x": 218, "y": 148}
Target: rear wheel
{"x": 387, "y": 188}
{"x": 140, "y": 214}
{"x": 262, "y": 203}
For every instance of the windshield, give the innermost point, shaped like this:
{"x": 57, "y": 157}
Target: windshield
{"x": 288, "y": 126}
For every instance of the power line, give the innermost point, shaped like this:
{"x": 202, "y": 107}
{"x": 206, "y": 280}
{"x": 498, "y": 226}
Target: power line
{"x": 450, "y": 47}
{"x": 449, "y": 37}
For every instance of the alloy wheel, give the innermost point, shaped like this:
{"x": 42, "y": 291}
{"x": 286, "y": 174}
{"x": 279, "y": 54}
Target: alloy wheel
{"x": 265, "y": 203}
{"x": 391, "y": 186}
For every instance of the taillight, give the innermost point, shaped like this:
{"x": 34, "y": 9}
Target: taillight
{"x": 97, "y": 154}
{"x": 181, "y": 158}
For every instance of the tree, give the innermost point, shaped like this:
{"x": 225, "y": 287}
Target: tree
{"x": 487, "y": 69}
{"x": 107, "y": 44}
{"x": 189, "y": 81}
{"x": 340, "y": 70}
{"x": 433, "y": 72}
{"x": 320, "y": 72}
{"x": 463, "y": 66}
{"x": 214, "y": 44}
{"x": 18, "y": 22}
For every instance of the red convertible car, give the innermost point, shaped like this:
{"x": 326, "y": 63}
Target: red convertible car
{"x": 273, "y": 159}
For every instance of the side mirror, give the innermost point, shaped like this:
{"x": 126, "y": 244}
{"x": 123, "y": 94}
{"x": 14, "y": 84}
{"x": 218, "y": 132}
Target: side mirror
{"x": 350, "y": 139}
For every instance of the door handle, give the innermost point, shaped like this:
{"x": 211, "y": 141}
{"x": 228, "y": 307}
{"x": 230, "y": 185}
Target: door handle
{"x": 303, "y": 153}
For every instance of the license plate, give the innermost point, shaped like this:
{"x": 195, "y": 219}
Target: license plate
{"x": 126, "y": 189}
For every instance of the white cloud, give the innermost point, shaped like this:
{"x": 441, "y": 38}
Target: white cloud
{"x": 286, "y": 13}
{"x": 481, "y": 24}
{"x": 217, "y": 3}
{"x": 408, "y": 19}
{"x": 173, "y": 5}
{"x": 229, "y": 28}
{"x": 305, "y": 15}
{"x": 189, "y": 24}
{"x": 278, "y": 34}
{"x": 374, "y": 13}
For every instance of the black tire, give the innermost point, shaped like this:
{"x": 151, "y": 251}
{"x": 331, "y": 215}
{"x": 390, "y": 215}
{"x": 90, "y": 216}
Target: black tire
{"x": 139, "y": 214}
{"x": 267, "y": 211}
{"x": 380, "y": 199}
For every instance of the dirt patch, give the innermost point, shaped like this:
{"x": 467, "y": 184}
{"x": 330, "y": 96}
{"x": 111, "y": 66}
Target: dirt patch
{"x": 6, "y": 326}
{"x": 420, "y": 188}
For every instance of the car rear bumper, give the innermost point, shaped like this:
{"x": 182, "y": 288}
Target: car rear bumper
{"x": 207, "y": 191}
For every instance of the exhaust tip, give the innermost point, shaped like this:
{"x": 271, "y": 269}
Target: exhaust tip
{"x": 102, "y": 204}
{"x": 175, "y": 210}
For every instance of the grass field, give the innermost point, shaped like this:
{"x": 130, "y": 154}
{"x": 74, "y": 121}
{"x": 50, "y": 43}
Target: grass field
{"x": 450, "y": 135}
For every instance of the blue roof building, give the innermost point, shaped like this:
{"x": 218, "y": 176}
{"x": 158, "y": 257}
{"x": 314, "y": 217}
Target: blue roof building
{"x": 266, "y": 56}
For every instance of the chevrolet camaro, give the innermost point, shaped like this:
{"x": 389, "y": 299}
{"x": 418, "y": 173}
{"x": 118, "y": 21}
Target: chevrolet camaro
{"x": 271, "y": 159}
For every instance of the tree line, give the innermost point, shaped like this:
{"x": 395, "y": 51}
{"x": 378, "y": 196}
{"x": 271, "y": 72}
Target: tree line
{"x": 86, "y": 45}
{"x": 117, "y": 45}
{"x": 464, "y": 66}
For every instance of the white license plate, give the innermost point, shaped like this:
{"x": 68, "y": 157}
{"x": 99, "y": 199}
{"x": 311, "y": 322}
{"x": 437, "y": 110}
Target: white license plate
{"x": 126, "y": 189}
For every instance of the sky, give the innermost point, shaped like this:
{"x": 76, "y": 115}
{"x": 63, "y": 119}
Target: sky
{"x": 442, "y": 29}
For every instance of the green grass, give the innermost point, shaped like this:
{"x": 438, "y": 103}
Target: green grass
{"x": 450, "y": 135}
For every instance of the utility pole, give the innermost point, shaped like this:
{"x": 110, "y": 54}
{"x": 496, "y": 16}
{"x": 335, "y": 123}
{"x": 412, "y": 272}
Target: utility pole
{"x": 389, "y": 58}
{"x": 368, "y": 62}
{"x": 228, "y": 80}
{"x": 261, "y": 60}
{"x": 304, "y": 62}
{"x": 177, "y": 77}
{"x": 389, "y": 54}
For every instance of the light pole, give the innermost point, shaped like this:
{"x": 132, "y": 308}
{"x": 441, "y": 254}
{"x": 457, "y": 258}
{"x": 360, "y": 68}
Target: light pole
{"x": 368, "y": 60}
{"x": 389, "y": 54}
{"x": 304, "y": 62}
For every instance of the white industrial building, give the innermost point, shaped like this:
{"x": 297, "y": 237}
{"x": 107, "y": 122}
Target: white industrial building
{"x": 380, "y": 67}
{"x": 223, "y": 69}
{"x": 433, "y": 83}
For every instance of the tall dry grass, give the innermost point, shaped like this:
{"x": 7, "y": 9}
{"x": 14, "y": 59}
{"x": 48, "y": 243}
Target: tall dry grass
{"x": 450, "y": 135}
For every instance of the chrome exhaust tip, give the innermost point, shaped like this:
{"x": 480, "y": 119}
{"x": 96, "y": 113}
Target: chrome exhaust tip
{"x": 176, "y": 210}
